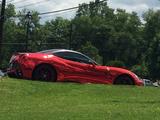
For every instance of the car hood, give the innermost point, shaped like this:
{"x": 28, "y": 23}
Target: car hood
{"x": 121, "y": 70}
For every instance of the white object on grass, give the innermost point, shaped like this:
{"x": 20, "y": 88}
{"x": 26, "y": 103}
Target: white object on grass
{"x": 1, "y": 74}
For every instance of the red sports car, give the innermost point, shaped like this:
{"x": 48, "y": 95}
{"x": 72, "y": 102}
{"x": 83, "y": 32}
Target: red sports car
{"x": 66, "y": 65}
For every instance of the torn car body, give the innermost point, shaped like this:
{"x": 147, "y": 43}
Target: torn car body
{"x": 67, "y": 65}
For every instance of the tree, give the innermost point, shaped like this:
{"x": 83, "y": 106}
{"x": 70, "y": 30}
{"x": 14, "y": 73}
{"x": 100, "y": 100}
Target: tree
{"x": 126, "y": 37}
{"x": 28, "y": 29}
{"x": 97, "y": 30}
{"x": 91, "y": 51}
{"x": 116, "y": 63}
{"x": 57, "y": 32}
{"x": 81, "y": 31}
{"x": 96, "y": 20}
{"x": 141, "y": 70}
{"x": 152, "y": 37}
{"x": 9, "y": 33}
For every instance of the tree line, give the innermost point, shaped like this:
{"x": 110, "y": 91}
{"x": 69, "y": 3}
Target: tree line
{"x": 111, "y": 37}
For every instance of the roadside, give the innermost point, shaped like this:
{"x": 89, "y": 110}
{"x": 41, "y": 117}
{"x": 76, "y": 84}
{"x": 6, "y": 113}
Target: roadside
{"x": 157, "y": 83}
{"x": 1, "y": 73}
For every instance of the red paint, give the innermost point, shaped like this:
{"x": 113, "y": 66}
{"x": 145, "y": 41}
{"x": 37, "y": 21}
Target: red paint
{"x": 70, "y": 70}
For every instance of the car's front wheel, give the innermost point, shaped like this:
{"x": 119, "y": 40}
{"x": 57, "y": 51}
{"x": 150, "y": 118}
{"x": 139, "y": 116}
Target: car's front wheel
{"x": 124, "y": 80}
{"x": 44, "y": 73}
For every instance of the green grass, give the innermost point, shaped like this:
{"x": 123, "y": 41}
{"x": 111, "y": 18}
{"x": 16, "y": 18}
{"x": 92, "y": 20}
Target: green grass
{"x": 30, "y": 100}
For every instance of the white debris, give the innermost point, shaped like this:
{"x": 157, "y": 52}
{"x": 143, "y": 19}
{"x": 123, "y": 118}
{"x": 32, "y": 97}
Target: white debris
{"x": 156, "y": 84}
{"x": 1, "y": 74}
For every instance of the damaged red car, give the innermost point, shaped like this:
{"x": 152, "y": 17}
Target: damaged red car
{"x": 66, "y": 65}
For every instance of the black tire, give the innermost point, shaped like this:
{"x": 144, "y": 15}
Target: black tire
{"x": 124, "y": 80}
{"x": 45, "y": 73}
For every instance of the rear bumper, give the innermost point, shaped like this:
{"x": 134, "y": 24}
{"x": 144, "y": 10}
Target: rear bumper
{"x": 14, "y": 70}
{"x": 21, "y": 69}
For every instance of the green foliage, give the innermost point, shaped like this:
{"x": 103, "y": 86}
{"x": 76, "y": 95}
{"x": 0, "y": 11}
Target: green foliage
{"x": 81, "y": 28}
{"x": 91, "y": 51}
{"x": 93, "y": 9}
{"x": 141, "y": 70}
{"x": 152, "y": 36}
{"x": 10, "y": 11}
{"x": 116, "y": 63}
{"x": 106, "y": 34}
{"x": 57, "y": 32}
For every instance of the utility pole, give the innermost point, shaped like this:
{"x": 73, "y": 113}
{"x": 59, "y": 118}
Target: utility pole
{"x": 1, "y": 27}
{"x": 28, "y": 23}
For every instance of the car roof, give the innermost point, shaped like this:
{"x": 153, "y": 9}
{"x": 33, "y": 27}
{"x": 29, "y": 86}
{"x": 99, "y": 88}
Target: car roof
{"x": 58, "y": 50}
{"x": 64, "y": 50}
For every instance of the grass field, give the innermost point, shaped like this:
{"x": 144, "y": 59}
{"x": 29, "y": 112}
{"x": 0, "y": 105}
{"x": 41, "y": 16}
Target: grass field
{"x": 30, "y": 100}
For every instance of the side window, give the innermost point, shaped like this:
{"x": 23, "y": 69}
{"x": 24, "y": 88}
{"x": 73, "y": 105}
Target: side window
{"x": 73, "y": 57}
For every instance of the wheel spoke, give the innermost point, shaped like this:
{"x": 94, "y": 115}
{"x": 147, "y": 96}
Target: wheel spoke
{"x": 44, "y": 73}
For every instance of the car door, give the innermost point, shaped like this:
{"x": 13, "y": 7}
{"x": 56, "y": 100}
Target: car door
{"x": 100, "y": 74}
{"x": 81, "y": 68}
{"x": 75, "y": 68}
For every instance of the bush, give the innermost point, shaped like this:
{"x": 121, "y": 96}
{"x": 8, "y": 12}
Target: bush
{"x": 91, "y": 51}
{"x": 141, "y": 70}
{"x": 116, "y": 63}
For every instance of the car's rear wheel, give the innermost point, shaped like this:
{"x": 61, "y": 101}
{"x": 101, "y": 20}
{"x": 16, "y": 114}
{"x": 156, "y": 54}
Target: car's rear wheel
{"x": 124, "y": 80}
{"x": 44, "y": 73}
